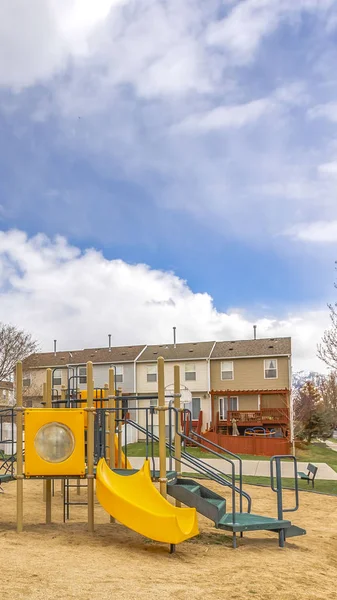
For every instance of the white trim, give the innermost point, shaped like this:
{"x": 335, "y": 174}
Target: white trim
{"x": 227, "y": 378}
{"x": 195, "y": 398}
{"x": 264, "y": 368}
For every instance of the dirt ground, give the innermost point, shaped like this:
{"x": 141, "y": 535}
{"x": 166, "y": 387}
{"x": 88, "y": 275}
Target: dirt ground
{"x": 64, "y": 561}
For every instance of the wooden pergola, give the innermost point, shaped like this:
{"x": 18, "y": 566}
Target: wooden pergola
{"x": 285, "y": 393}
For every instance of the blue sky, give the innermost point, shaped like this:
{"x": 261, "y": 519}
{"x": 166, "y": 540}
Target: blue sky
{"x": 196, "y": 138}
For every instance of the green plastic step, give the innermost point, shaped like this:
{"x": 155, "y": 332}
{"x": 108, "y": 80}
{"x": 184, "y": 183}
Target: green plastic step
{"x": 195, "y": 495}
{"x": 217, "y": 502}
{"x": 250, "y": 522}
{"x": 194, "y": 489}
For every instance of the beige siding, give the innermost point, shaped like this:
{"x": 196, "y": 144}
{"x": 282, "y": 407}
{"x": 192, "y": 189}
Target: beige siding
{"x": 273, "y": 401}
{"x": 248, "y": 402}
{"x": 249, "y": 375}
{"x": 199, "y": 385}
{"x": 38, "y": 377}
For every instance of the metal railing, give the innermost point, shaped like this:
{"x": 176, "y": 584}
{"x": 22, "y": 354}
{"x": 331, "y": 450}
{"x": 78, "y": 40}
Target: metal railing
{"x": 199, "y": 465}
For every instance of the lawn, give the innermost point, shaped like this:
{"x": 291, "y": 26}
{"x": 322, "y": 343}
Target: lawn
{"x": 314, "y": 452}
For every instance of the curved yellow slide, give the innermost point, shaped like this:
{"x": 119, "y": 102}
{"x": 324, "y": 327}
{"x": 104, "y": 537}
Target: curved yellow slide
{"x": 135, "y": 502}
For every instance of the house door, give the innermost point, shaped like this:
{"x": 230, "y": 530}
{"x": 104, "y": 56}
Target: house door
{"x": 224, "y": 407}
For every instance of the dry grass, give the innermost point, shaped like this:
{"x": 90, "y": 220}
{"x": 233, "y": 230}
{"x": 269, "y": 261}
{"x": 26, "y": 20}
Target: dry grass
{"x": 65, "y": 562}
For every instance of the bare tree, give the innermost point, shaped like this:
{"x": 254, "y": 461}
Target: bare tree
{"x": 15, "y": 344}
{"x": 327, "y": 350}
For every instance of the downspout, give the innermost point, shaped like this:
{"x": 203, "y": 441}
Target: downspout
{"x": 209, "y": 383}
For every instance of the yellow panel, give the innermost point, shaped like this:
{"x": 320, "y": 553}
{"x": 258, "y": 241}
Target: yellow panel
{"x": 134, "y": 501}
{"x": 35, "y": 418}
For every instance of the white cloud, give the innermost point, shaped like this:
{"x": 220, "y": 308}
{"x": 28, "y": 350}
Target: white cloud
{"x": 226, "y": 117}
{"x": 38, "y": 38}
{"x": 54, "y": 291}
{"x": 327, "y": 111}
{"x": 329, "y": 169}
{"x": 319, "y": 231}
{"x": 250, "y": 21}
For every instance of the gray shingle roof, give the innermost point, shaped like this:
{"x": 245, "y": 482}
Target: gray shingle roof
{"x": 259, "y": 347}
{"x": 118, "y": 354}
{"x": 197, "y": 350}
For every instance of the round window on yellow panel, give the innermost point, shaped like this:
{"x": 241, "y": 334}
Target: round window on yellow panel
{"x": 54, "y": 442}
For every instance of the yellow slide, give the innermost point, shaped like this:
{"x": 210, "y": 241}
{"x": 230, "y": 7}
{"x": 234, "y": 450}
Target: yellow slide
{"x": 125, "y": 463}
{"x": 135, "y": 502}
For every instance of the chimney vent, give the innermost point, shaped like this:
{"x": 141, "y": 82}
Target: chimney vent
{"x": 109, "y": 336}
{"x": 254, "y": 327}
{"x": 55, "y": 341}
{"x": 174, "y": 337}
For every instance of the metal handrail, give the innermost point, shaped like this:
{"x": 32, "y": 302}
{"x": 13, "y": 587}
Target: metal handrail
{"x": 214, "y": 473}
{"x": 279, "y": 489}
{"x": 223, "y": 450}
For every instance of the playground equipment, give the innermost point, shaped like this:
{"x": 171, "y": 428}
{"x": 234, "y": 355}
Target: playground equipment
{"x": 78, "y": 436}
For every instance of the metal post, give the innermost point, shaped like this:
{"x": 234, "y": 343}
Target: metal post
{"x": 19, "y": 448}
{"x": 177, "y": 437}
{"x": 90, "y": 445}
{"x": 106, "y": 421}
{"x": 162, "y": 432}
{"x": 112, "y": 419}
{"x": 48, "y": 481}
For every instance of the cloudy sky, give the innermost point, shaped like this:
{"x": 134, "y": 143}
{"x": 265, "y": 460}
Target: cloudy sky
{"x": 168, "y": 163}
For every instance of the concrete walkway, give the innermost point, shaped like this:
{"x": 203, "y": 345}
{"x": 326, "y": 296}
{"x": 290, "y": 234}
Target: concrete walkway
{"x": 257, "y": 468}
{"x": 332, "y": 445}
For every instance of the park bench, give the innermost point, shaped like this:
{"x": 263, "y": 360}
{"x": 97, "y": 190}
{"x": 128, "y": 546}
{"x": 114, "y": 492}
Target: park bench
{"x": 310, "y": 476}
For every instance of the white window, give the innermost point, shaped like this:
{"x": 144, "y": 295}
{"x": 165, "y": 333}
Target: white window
{"x": 119, "y": 374}
{"x": 227, "y": 369}
{"x": 26, "y": 380}
{"x": 270, "y": 368}
{"x": 196, "y": 404}
{"x": 190, "y": 372}
{"x": 151, "y": 373}
{"x": 57, "y": 377}
{"x": 226, "y": 404}
{"x": 82, "y": 371}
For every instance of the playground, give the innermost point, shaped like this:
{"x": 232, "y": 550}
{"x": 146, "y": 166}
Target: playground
{"x": 78, "y": 520}
{"x": 65, "y": 561}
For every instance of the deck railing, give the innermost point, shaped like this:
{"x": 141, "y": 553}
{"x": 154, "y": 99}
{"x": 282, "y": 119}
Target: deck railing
{"x": 265, "y": 415}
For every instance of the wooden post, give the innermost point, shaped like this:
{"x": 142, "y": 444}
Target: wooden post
{"x": 90, "y": 445}
{"x": 112, "y": 424}
{"x": 19, "y": 448}
{"x": 48, "y": 486}
{"x": 44, "y": 401}
{"x": 119, "y": 429}
{"x": 162, "y": 428}
{"x": 177, "y": 438}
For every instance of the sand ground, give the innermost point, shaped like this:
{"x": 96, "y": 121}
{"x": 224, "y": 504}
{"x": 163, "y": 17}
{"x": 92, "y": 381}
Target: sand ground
{"x": 63, "y": 561}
